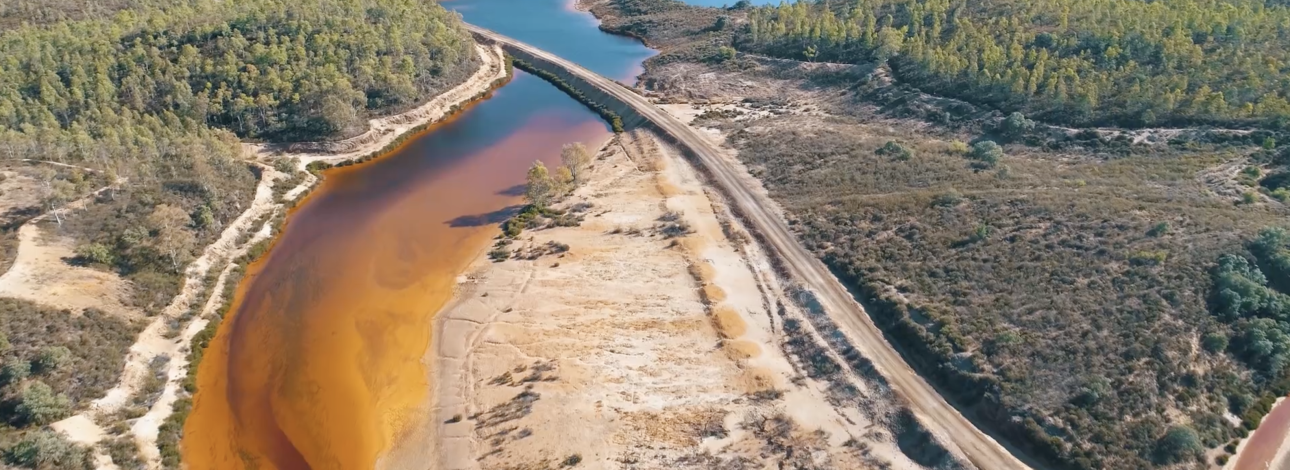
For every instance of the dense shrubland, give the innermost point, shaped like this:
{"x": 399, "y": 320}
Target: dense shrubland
{"x": 1122, "y": 62}
{"x": 1071, "y": 302}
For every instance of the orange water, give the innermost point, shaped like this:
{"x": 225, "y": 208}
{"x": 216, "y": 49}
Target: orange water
{"x": 320, "y": 363}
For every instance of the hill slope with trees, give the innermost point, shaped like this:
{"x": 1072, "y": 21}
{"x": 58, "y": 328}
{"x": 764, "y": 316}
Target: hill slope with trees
{"x": 1090, "y": 62}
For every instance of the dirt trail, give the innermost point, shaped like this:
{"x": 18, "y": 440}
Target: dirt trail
{"x": 933, "y": 411}
{"x": 85, "y": 427}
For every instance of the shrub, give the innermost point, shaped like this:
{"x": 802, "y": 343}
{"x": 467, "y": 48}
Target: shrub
{"x": 895, "y": 150}
{"x": 95, "y": 253}
{"x": 987, "y": 152}
{"x": 51, "y": 358}
{"x": 39, "y": 405}
{"x": 959, "y": 147}
{"x": 1214, "y": 341}
{"x": 1016, "y": 125}
{"x": 1159, "y": 229}
{"x": 15, "y": 371}
{"x": 1179, "y": 444}
{"x": 47, "y": 449}
{"x": 949, "y": 198}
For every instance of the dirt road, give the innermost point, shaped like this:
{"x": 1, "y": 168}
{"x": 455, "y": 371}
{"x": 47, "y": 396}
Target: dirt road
{"x": 936, "y": 414}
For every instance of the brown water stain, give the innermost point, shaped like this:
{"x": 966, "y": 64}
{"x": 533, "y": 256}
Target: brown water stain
{"x": 319, "y": 365}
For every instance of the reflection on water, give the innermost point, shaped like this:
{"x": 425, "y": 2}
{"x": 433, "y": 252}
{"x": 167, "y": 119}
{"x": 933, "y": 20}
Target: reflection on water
{"x": 554, "y": 26}
{"x": 321, "y": 362}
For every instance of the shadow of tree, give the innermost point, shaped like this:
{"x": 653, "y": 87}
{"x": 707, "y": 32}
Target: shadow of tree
{"x": 479, "y": 220}
{"x": 513, "y": 191}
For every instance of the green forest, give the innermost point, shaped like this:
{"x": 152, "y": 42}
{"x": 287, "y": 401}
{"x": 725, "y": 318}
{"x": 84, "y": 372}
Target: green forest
{"x": 1090, "y": 62}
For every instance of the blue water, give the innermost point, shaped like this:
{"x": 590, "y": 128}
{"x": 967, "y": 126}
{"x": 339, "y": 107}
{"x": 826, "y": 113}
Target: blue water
{"x": 554, "y": 26}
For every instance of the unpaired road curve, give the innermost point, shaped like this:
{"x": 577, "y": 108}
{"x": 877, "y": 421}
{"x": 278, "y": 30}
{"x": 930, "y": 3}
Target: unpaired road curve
{"x": 933, "y": 411}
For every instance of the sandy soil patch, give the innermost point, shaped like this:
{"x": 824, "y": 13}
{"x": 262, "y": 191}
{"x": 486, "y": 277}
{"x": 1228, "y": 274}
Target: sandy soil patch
{"x": 618, "y": 336}
{"x": 42, "y": 274}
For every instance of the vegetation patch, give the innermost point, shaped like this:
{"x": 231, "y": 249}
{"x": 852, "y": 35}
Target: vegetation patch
{"x": 1058, "y": 303}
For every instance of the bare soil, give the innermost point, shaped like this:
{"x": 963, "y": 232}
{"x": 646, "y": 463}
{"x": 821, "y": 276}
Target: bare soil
{"x": 667, "y": 351}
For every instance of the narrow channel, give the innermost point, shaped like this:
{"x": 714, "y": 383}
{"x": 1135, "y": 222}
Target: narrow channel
{"x": 319, "y": 365}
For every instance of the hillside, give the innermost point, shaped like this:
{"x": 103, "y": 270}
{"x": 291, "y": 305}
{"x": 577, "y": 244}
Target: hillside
{"x": 1097, "y": 297}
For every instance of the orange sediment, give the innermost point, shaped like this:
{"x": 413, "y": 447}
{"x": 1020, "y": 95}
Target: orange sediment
{"x": 320, "y": 363}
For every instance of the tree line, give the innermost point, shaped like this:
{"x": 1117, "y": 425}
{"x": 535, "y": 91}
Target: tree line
{"x": 1090, "y": 62}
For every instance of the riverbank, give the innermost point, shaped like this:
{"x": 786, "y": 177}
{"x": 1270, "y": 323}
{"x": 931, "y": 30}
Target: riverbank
{"x": 655, "y": 325}
{"x": 385, "y": 132}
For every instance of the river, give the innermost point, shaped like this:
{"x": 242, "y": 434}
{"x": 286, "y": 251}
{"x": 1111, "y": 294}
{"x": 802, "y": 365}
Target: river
{"x": 319, "y": 363}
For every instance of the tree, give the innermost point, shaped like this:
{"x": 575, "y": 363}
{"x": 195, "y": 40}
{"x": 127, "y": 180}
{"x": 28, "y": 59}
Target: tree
{"x": 538, "y": 186}
{"x": 173, "y": 237}
{"x": 39, "y": 405}
{"x": 55, "y": 192}
{"x": 1016, "y": 125}
{"x": 987, "y": 152}
{"x": 562, "y": 182}
{"x": 577, "y": 159}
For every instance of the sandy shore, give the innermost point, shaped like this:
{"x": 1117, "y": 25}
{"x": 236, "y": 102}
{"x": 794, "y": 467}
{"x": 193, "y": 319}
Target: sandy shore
{"x": 654, "y": 341}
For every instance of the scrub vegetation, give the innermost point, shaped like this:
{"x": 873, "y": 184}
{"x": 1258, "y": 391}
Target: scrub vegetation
{"x": 53, "y": 363}
{"x": 1072, "y": 302}
{"x": 1099, "y": 298}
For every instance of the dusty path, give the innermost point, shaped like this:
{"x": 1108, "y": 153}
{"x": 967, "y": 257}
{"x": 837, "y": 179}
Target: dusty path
{"x": 87, "y": 426}
{"x": 941, "y": 418}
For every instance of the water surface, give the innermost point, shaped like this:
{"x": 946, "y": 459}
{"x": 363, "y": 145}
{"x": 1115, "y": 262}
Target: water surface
{"x": 319, "y": 363}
